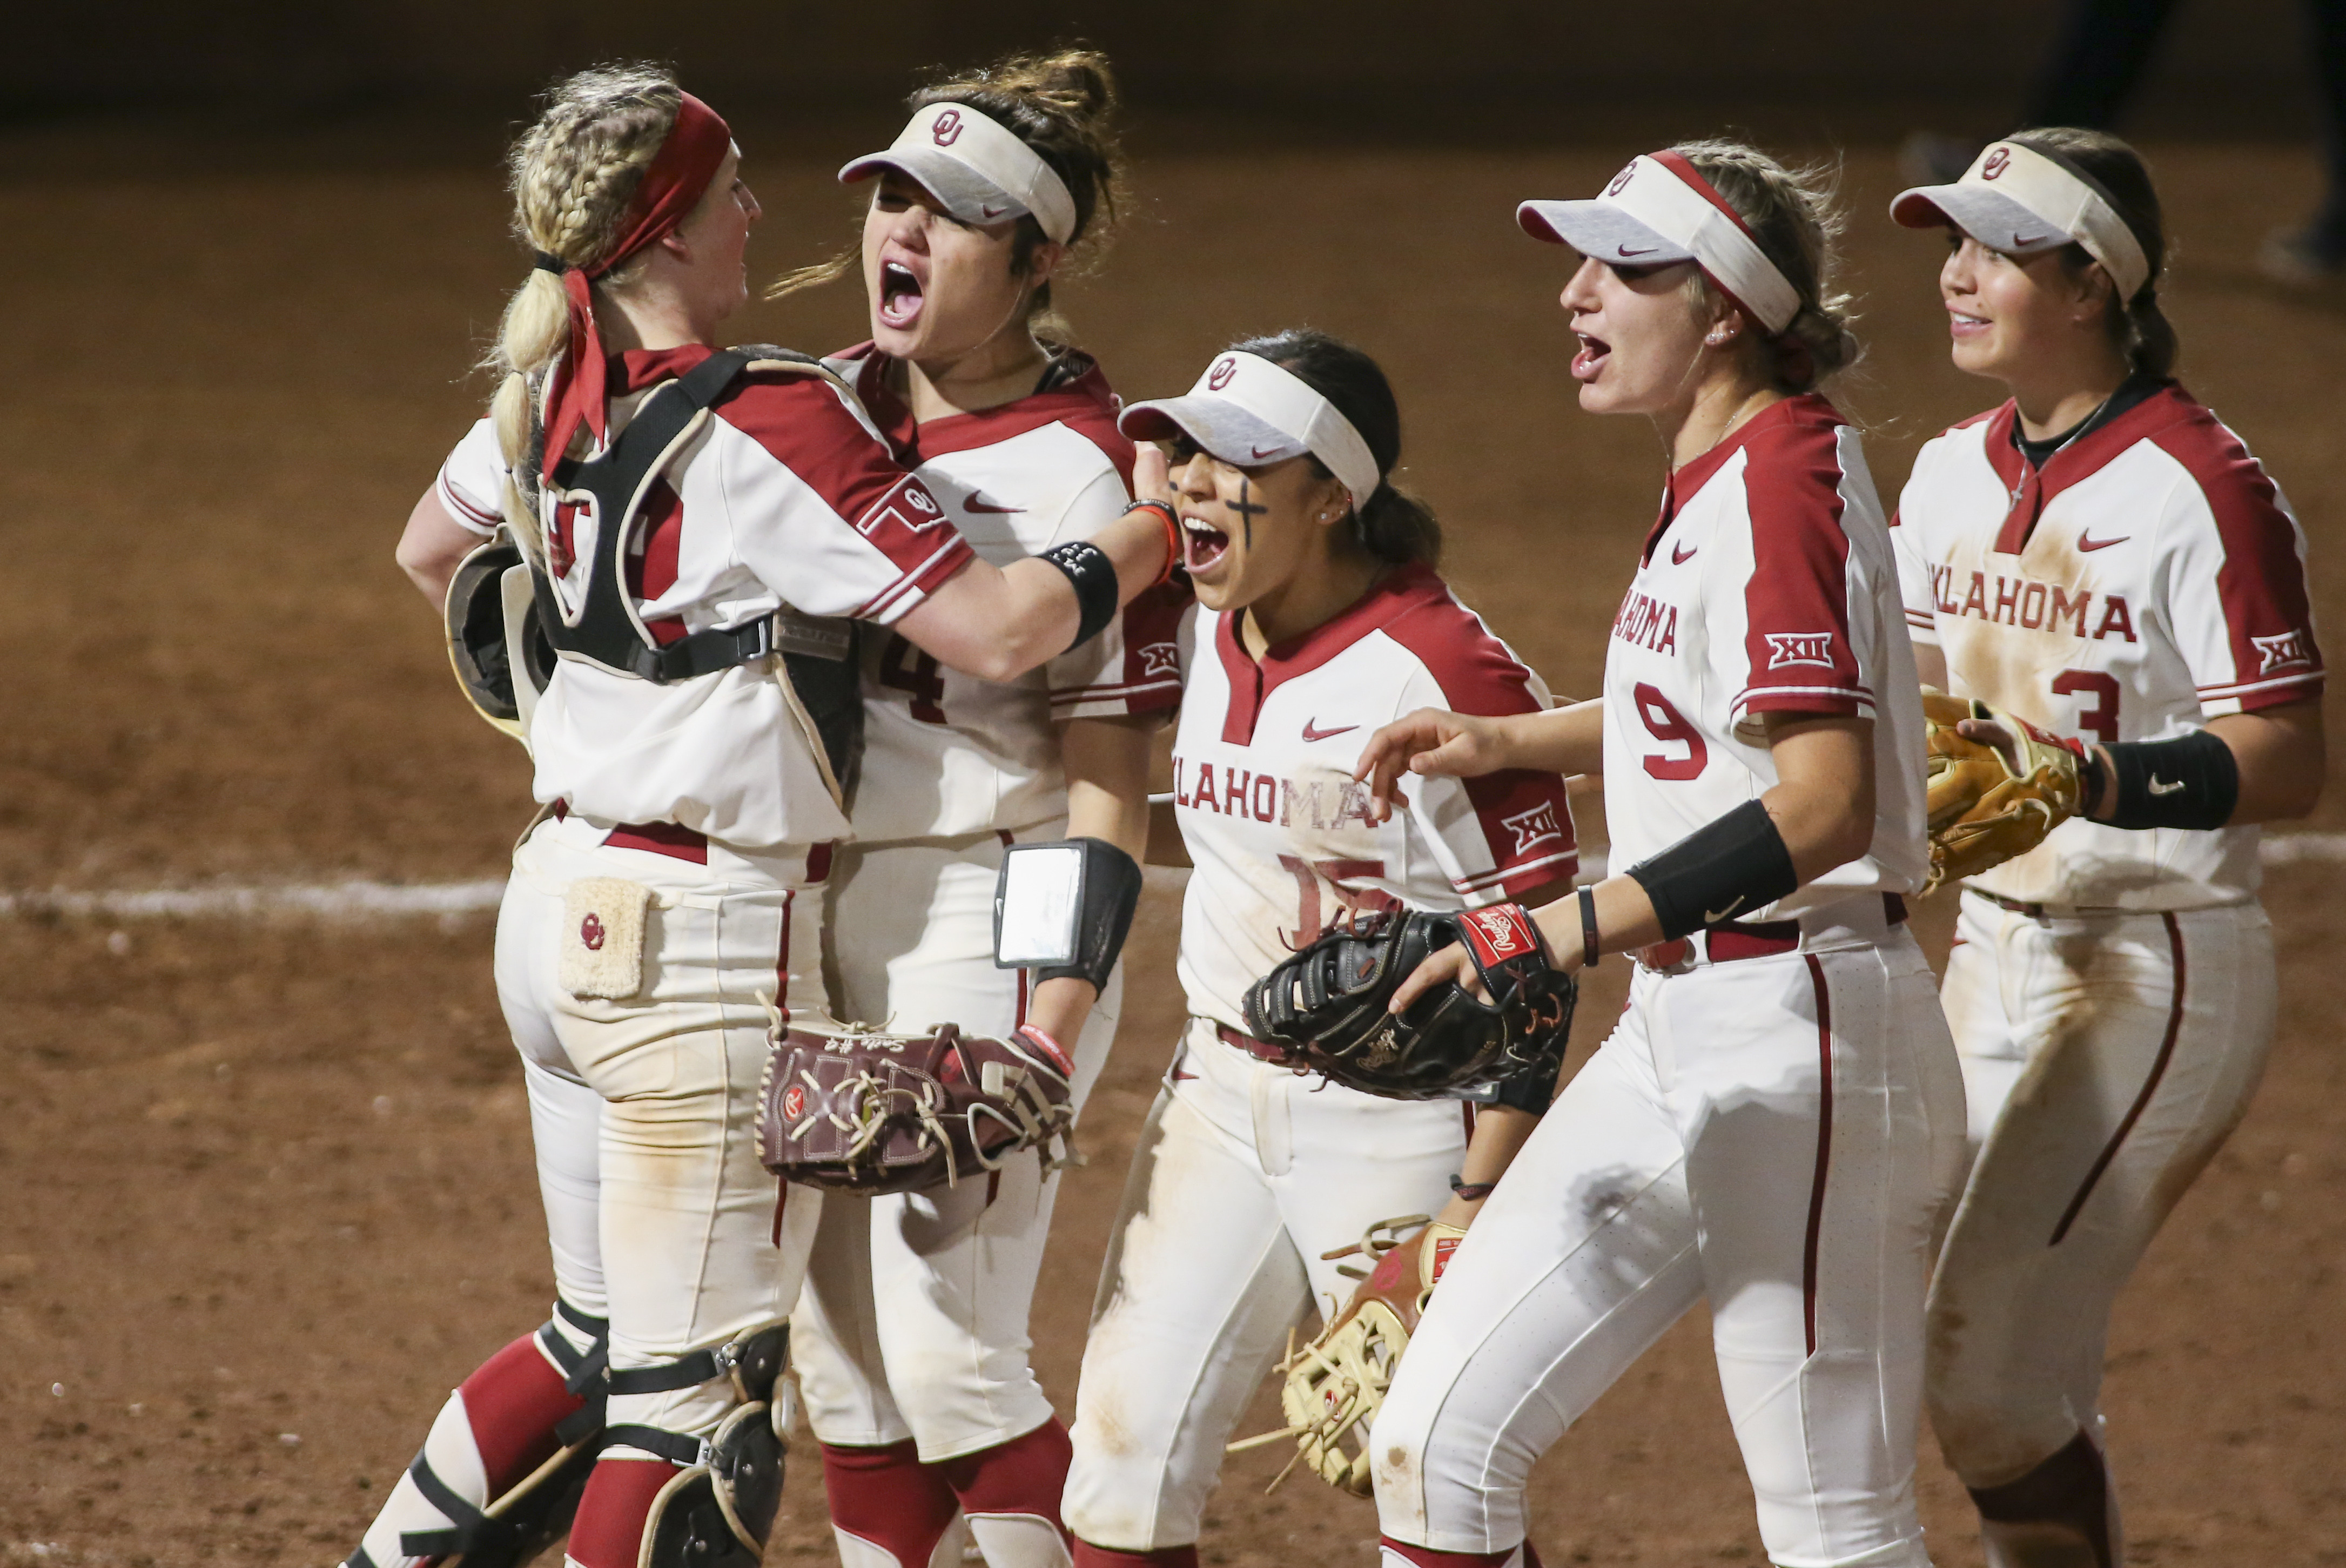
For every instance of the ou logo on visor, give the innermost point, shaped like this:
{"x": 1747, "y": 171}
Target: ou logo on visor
{"x": 1997, "y": 162}
{"x": 1223, "y": 371}
{"x": 947, "y": 130}
{"x": 1621, "y": 181}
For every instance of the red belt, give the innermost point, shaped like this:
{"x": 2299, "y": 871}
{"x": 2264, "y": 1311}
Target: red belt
{"x": 1749, "y": 939}
{"x": 1262, "y": 1050}
{"x": 680, "y": 843}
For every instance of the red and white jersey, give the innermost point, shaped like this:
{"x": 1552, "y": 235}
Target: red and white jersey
{"x": 1280, "y": 834}
{"x": 946, "y": 753}
{"x": 786, "y": 496}
{"x": 2147, "y": 579}
{"x": 1767, "y": 586}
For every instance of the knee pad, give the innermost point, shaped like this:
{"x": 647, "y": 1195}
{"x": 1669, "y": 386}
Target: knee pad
{"x": 733, "y": 1477}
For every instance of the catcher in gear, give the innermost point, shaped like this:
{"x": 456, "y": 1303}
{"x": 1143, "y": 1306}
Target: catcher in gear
{"x": 1999, "y": 785}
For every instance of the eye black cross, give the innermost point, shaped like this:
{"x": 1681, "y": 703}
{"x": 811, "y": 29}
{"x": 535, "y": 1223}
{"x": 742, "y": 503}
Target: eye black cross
{"x": 1245, "y": 508}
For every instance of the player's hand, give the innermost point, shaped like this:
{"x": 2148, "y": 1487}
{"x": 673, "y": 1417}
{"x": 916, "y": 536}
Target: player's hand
{"x": 1451, "y": 962}
{"x": 1988, "y": 732}
{"x": 1152, "y": 475}
{"x": 1430, "y": 741}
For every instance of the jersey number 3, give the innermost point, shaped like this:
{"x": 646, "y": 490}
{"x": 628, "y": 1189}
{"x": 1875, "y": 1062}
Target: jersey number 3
{"x": 1667, "y": 725}
{"x": 904, "y": 667}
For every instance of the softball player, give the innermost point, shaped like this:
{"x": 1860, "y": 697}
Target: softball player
{"x": 1322, "y": 618}
{"x": 2101, "y": 557}
{"x": 911, "y": 1333}
{"x": 666, "y": 912}
{"x": 1775, "y": 1122}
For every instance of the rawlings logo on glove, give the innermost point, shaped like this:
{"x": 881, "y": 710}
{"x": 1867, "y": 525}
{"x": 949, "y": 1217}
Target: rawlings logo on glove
{"x": 1334, "y": 1386}
{"x": 870, "y": 1113}
{"x": 1985, "y": 807}
{"x": 1326, "y": 1007}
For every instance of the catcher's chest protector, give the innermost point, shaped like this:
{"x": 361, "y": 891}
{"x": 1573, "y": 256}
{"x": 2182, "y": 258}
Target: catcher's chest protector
{"x": 815, "y": 658}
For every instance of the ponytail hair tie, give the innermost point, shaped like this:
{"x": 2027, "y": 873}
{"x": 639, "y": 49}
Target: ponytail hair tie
{"x": 543, "y": 262}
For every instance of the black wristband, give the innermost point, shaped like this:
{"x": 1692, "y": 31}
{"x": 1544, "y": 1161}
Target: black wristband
{"x": 1472, "y": 1191}
{"x": 1588, "y": 927}
{"x": 1728, "y": 867}
{"x": 2192, "y": 781}
{"x": 1093, "y": 576}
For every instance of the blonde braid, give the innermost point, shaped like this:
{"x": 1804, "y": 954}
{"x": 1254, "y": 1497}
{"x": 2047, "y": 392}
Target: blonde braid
{"x": 1795, "y": 217}
{"x": 573, "y": 174}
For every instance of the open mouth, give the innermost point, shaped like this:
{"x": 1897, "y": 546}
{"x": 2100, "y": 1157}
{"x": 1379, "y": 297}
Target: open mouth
{"x": 1963, "y": 325}
{"x": 901, "y": 296}
{"x": 1590, "y": 359}
{"x": 1201, "y": 545}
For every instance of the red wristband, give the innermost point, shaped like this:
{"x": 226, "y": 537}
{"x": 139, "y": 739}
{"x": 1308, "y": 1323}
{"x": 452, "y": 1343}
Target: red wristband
{"x": 1172, "y": 521}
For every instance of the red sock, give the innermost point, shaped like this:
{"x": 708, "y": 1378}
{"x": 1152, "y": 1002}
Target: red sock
{"x": 1090, "y": 1556}
{"x": 1025, "y": 1475}
{"x": 1427, "y": 1557}
{"x": 609, "y": 1529}
{"x": 888, "y": 1497}
{"x": 514, "y": 1401}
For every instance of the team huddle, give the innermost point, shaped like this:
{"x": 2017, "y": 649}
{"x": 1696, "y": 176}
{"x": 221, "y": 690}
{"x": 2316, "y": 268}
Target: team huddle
{"x": 842, "y": 676}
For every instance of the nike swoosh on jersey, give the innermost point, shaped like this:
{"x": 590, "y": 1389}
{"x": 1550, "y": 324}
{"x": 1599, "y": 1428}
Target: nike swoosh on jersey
{"x": 976, "y": 502}
{"x": 2088, "y": 542}
{"x": 1712, "y": 917}
{"x": 1680, "y": 554}
{"x": 1310, "y": 733}
{"x": 2158, "y": 786}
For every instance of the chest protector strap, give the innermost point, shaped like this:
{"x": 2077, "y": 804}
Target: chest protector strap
{"x": 815, "y": 658}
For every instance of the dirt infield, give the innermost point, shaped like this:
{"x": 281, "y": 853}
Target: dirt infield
{"x": 269, "y": 1183}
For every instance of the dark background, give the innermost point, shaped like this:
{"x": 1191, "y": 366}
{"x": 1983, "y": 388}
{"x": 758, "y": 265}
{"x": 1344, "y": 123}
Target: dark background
{"x": 1376, "y": 67}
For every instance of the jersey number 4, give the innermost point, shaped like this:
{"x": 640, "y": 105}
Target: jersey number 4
{"x": 904, "y": 667}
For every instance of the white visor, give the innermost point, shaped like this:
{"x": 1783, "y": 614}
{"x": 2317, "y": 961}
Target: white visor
{"x": 2015, "y": 199}
{"x": 1248, "y": 412}
{"x": 1659, "y": 210}
{"x": 979, "y": 170}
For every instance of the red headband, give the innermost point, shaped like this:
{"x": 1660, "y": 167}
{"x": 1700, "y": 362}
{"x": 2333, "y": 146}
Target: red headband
{"x": 672, "y": 186}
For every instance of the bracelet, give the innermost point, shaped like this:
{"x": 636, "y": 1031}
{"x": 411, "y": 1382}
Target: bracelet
{"x": 1588, "y": 927}
{"x": 1472, "y": 1191}
{"x": 1172, "y": 521}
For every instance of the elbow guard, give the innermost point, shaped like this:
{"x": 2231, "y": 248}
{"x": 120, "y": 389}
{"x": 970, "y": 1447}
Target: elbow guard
{"x": 1063, "y": 908}
{"x": 1728, "y": 867}
{"x": 2192, "y": 781}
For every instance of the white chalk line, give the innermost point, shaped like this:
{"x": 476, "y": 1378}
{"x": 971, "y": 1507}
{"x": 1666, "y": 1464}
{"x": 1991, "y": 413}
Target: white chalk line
{"x": 364, "y": 901}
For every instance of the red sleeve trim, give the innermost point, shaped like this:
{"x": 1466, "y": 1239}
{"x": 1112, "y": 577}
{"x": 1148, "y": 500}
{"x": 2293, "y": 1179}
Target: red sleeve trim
{"x": 2261, "y": 583}
{"x": 800, "y": 422}
{"x": 1796, "y": 606}
{"x": 463, "y": 509}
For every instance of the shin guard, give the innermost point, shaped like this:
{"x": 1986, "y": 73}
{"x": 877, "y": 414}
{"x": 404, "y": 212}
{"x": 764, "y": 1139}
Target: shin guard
{"x": 1010, "y": 1494}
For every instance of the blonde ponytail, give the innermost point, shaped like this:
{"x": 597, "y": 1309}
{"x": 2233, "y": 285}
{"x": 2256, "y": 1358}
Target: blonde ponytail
{"x": 573, "y": 174}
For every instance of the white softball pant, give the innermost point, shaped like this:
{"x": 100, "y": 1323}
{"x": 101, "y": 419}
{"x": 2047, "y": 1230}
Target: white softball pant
{"x": 1245, "y": 1173}
{"x": 1775, "y": 1135}
{"x": 2107, "y": 1056}
{"x": 644, "y": 1111}
{"x": 913, "y": 1321}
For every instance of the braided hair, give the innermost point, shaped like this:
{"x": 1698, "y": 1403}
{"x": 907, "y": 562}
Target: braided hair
{"x": 573, "y": 174}
{"x": 1794, "y": 218}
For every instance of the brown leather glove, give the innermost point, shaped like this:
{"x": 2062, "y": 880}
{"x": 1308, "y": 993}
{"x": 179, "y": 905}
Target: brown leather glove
{"x": 1982, "y": 809}
{"x": 869, "y": 1113}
